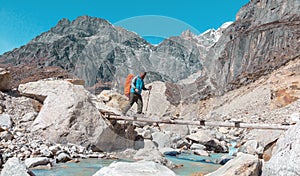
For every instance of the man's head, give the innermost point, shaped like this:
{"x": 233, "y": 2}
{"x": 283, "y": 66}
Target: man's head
{"x": 143, "y": 74}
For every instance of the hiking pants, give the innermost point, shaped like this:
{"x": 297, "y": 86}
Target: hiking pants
{"x": 134, "y": 98}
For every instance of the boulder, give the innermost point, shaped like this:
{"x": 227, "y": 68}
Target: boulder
{"x": 153, "y": 155}
{"x": 63, "y": 157}
{"x": 6, "y": 135}
{"x": 259, "y": 143}
{"x": 249, "y": 147}
{"x": 181, "y": 130}
{"x": 200, "y": 152}
{"x": 216, "y": 146}
{"x": 243, "y": 164}
{"x": 30, "y": 116}
{"x": 5, "y": 79}
{"x": 208, "y": 141}
{"x": 70, "y": 114}
{"x": 199, "y": 137}
{"x": 285, "y": 159}
{"x": 224, "y": 159}
{"x": 33, "y": 162}
{"x": 15, "y": 167}
{"x": 149, "y": 144}
{"x": 54, "y": 149}
{"x": 162, "y": 139}
{"x": 113, "y": 99}
{"x": 262, "y": 139}
{"x": 5, "y": 121}
{"x": 161, "y": 100}
{"x": 148, "y": 154}
{"x": 196, "y": 146}
{"x": 145, "y": 168}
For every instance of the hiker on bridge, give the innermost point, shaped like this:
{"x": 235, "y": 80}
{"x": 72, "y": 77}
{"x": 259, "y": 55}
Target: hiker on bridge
{"x": 136, "y": 87}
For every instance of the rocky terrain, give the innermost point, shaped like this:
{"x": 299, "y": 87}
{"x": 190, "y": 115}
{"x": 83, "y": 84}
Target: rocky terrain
{"x": 67, "y": 135}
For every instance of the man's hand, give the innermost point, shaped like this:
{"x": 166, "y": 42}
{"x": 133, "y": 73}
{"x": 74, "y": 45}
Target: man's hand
{"x": 136, "y": 90}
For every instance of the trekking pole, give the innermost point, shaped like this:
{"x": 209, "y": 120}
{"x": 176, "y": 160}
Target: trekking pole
{"x": 148, "y": 100}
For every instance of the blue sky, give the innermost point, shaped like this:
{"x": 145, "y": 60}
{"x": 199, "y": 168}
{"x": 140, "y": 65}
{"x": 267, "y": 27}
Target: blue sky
{"x": 22, "y": 20}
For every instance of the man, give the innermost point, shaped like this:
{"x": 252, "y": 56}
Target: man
{"x": 137, "y": 85}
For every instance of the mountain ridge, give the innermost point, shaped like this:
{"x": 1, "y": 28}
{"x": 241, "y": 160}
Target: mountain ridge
{"x": 70, "y": 43}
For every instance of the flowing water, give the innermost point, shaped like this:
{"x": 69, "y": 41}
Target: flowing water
{"x": 191, "y": 164}
{"x": 87, "y": 167}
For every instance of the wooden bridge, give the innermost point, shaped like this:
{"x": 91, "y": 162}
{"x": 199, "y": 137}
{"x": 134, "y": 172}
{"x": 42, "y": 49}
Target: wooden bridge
{"x": 236, "y": 124}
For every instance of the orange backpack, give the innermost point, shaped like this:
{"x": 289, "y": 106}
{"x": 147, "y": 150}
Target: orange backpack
{"x": 128, "y": 84}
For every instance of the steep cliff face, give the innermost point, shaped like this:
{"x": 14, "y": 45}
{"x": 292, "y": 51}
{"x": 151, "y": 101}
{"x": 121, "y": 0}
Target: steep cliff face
{"x": 264, "y": 37}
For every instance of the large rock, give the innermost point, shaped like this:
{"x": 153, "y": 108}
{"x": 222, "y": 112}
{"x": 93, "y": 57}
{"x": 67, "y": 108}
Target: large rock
{"x": 161, "y": 100}
{"x": 211, "y": 143}
{"x": 6, "y": 135}
{"x": 152, "y": 154}
{"x": 70, "y": 114}
{"x": 259, "y": 143}
{"x": 33, "y": 162}
{"x": 199, "y": 137}
{"x": 63, "y": 157}
{"x": 243, "y": 164}
{"x": 5, "y": 121}
{"x": 145, "y": 168}
{"x": 5, "y": 79}
{"x": 285, "y": 159}
{"x": 262, "y": 139}
{"x": 113, "y": 99}
{"x": 181, "y": 130}
{"x": 249, "y": 147}
{"x": 15, "y": 167}
{"x": 162, "y": 139}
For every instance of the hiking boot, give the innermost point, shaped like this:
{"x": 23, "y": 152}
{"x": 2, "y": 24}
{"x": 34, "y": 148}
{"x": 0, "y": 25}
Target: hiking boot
{"x": 139, "y": 115}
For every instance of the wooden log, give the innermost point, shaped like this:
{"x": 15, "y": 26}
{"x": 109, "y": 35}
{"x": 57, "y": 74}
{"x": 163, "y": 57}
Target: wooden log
{"x": 205, "y": 123}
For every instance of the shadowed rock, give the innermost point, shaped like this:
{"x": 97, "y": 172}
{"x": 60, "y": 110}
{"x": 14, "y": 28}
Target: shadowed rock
{"x": 15, "y": 167}
{"x": 70, "y": 114}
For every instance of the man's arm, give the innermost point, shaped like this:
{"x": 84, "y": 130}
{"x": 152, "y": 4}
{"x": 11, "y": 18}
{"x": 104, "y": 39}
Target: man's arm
{"x": 133, "y": 81}
{"x": 144, "y": 88}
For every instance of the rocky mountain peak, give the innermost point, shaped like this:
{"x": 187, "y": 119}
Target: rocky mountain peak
{"x": 266, "y": 11}
{"x": 64, "y": 22}
{"x": 187, "y": 34}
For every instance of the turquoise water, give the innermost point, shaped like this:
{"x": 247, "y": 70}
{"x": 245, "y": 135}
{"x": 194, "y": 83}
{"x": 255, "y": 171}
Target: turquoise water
{"x": 191, "y": 164}
{"x": 87, "y": 167}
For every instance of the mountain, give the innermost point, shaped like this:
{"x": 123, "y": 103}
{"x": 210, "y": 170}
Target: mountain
{"x": 96, "y": 51}
{"x": 264, "y": 37}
